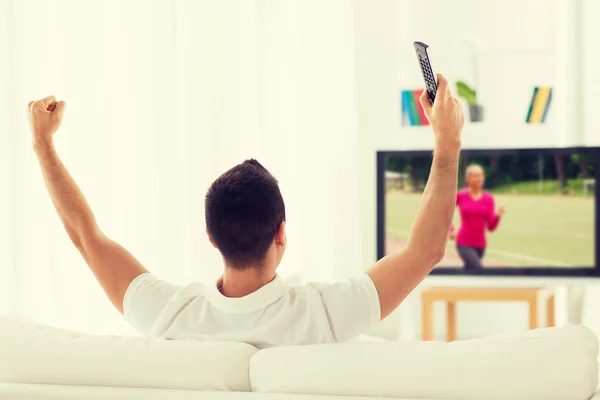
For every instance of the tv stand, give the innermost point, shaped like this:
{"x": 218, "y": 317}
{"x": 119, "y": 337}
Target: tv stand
{"x": 451, "y": 295}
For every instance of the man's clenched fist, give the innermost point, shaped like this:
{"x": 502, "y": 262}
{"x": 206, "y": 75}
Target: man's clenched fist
{"x": 45, "y": 117}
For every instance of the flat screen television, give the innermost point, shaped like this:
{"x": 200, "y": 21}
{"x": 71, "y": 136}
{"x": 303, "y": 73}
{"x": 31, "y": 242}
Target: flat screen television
{"x": 549, "y": 226}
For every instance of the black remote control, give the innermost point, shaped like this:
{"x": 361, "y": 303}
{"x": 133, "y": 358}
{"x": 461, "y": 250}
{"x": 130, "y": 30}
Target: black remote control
{"x": 423, "y": 57}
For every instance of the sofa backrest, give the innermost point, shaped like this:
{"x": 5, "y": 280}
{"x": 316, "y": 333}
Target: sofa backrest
{"x": 31, "y": 353}
{"x": 552, "y": 363}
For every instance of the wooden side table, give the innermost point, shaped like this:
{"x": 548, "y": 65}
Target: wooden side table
{"x": 533, "y": 296}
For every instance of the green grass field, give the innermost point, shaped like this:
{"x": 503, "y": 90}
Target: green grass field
{"x": 535, "y": 231}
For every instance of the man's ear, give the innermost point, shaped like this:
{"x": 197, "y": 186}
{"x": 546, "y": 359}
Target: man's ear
{"x": 211, "y": 239}
{"x": 280, "y": 237}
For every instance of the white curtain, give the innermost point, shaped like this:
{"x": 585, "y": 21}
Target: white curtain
{"x": 163, "y": 96}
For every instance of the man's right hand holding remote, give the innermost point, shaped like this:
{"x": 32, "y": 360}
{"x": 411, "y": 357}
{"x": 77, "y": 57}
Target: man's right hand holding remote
{"x": 396, "y": 275}
{"x": 445, "y": 116}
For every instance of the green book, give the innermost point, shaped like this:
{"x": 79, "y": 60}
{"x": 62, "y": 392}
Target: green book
{"x": 535, "y": 91}
{"x": 412, "y": 109}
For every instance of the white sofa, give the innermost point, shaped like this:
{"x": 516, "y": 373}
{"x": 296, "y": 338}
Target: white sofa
{"x": 38, "y": 362}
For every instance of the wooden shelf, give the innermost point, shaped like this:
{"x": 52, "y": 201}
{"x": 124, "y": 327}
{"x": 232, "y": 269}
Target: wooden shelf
{"x": 480, "y": 135}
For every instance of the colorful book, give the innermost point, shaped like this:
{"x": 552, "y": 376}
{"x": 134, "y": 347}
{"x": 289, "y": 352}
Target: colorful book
{"x": 417, "y": 95}
{"x": 405, "y": 114}
{"x": 408, "y": 115}
{"x": 540, "y": 104}
{"x": 547, "y": 106}
{"x": 414, "y": 113}
{"x": 528, "y": 118}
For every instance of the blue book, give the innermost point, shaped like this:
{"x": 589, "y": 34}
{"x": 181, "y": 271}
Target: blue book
{"x": 547, "y": 106}
{"x": 535, "y": 90}
{"x": 404, "y": 108}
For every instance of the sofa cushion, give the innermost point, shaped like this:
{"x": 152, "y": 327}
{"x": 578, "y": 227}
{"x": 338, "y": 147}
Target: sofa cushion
{"x": 33, "y": 353}
{"x": 23, "y": 391}
{"x": 550, "y": 363}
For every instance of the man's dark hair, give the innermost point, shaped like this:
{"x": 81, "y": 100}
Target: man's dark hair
{"x": 243, "y": 210}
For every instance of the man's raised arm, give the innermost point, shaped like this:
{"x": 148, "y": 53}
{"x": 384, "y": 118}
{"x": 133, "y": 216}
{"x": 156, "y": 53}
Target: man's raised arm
{"x": 113, "y": 266}
{"x": 396, "y": 275}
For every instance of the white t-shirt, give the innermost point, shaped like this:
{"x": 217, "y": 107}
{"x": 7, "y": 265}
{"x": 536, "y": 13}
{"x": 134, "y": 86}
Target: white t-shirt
{"x": 276, "y": 314}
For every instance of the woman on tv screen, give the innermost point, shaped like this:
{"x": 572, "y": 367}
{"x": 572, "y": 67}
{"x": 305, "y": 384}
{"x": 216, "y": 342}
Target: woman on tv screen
{"x": 478, "y": 213}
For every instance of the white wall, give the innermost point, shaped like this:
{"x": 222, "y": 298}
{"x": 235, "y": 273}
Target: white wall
{"x": 590, "y": 70}
{"x": 591, "y": 122}
{"x": 162, "y": 97}
{"x": 522, "y": 43}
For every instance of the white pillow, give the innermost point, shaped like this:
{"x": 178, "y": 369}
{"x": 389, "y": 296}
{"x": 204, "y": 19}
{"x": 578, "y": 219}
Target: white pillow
{"x": 551, "y": 363}
{"x": 31, "y": 353}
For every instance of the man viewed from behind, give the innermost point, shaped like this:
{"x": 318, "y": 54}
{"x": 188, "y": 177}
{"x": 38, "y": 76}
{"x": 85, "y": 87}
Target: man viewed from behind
{"x": 245, "y": 221}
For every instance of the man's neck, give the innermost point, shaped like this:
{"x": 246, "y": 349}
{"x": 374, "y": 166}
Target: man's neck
{"x": 240, "y": 283}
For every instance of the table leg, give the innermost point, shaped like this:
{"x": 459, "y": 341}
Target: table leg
{"x": 427, "y": 305}
{"x": 550, "y": 311}
{"x": 533, "y": 314}
{"x": 451, "y": 321}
